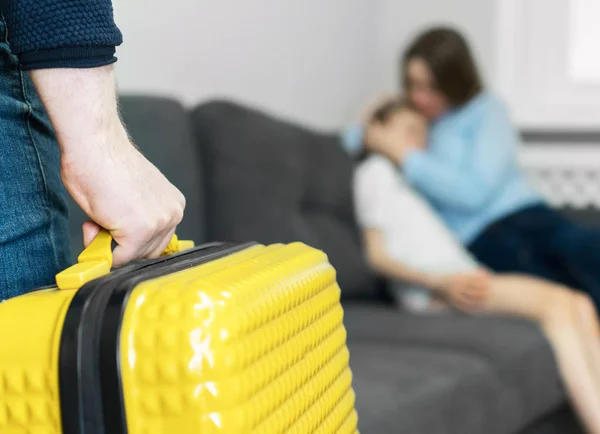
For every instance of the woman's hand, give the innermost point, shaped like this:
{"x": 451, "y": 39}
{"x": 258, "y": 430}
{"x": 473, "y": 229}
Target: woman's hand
{"x": 466, "y": 291}
{"x": 387, "y": 141}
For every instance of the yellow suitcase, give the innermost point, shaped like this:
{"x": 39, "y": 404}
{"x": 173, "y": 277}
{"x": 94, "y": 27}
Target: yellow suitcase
{"x": 220, "y": 338}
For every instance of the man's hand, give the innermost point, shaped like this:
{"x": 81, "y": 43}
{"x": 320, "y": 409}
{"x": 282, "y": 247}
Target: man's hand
{"x": 123, "y": 192}
{"x": 466, "y": 291}
{"x": 107, "y": 176}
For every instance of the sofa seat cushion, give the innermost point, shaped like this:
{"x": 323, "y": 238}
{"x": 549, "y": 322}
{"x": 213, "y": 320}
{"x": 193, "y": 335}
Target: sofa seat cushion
{"x": 415, "y": 390}
{"x": 515, "y": 350}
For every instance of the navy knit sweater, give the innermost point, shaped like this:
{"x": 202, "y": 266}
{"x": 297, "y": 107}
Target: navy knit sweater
{"x": 61, "y": 33}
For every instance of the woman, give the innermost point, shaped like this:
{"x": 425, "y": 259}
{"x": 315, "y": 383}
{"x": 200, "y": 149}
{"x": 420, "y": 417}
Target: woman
{"x": 407, "y": 243}
{"x": 469, "y": 173}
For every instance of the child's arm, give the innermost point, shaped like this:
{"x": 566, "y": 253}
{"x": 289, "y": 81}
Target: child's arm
{"x": 374, "y": 182}
{"x": 381, "y": 263}
{"x": 466, "y": 291}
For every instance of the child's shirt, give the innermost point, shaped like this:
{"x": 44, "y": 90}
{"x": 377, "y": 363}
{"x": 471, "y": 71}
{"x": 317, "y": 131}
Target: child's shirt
{"x": 413, "y": 234}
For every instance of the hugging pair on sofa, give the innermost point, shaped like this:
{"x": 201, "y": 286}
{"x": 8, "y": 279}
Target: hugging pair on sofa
{"x": 473, "y": 234}
{"x": 406, "y": 242}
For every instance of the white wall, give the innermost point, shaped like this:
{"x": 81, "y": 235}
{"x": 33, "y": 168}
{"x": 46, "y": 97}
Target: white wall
{"x": 320, "y": 61}
{"x": 400, "y": 21}
{"x": 315, "y": 61}
{"x": 309, "y": 60}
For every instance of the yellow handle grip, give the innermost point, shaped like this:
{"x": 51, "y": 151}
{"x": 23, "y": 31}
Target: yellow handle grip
{"x": 96, "y": 260}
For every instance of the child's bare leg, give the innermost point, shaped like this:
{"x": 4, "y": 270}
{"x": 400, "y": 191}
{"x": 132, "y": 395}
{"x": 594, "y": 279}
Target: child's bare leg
{"x": 557, "y": 310}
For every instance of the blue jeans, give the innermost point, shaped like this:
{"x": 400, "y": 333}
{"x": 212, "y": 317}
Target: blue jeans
{"x": 34, "y": 234}
{"x": 540, "y": 241}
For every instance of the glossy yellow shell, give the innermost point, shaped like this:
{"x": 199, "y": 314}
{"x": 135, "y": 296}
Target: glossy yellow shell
{"x": 250, "y": 343}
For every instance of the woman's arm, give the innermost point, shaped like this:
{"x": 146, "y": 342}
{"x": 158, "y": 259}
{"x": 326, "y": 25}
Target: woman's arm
{"x": 470, "y": 185}
{"x": 352, "y": 139}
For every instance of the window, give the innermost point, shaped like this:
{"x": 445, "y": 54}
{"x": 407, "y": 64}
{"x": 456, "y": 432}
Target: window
{"x": 547, "y": 62}
{"x": 584, "y": 41}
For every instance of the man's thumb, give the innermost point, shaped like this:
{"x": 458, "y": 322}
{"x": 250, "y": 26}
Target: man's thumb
{"x": 90, "y": 231}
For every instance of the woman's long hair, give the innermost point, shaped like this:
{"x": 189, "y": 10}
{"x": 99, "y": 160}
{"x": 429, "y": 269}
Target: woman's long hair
{"x": 449, "y": 58}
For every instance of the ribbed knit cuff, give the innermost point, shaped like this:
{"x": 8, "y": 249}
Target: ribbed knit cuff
{"x": 68, "y": 57}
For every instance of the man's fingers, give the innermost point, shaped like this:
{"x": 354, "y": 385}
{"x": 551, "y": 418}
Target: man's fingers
{"x": 128, "y": 250}
{"x": 90, "y": 231}
{"x": 123, "y": 254}
{"x": 160, "y": 244}
{"x": 150, "y": 244}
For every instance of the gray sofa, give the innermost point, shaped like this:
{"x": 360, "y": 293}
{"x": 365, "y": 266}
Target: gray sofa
{"x": 248, "y": 176}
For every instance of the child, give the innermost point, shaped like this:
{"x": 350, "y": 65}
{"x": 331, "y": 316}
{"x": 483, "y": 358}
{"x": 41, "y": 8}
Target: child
{"x": 407, "y": 243}
{"x": 435, "y": 265}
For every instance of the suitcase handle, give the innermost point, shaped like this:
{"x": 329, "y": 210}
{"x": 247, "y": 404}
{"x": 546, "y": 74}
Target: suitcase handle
{"x": 96, "y": 260}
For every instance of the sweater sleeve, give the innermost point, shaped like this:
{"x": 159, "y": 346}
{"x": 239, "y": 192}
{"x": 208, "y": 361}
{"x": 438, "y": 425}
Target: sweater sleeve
{"x": 352, "y": 139}
{"x": 470, "y": 185}
{"x": 61, "y": 34}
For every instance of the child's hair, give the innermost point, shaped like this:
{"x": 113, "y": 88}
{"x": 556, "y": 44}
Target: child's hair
{"x": 383, "y": 114}
{"x": 386, "y": 110}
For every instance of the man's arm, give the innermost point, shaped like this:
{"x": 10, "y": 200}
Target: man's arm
{"x": 106, "y": 175}
{"x": 67, "y": 46}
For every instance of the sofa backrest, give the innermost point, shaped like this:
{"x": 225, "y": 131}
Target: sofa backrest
{"x": 270, "y": 181}
{"x": 161, "y": 128}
